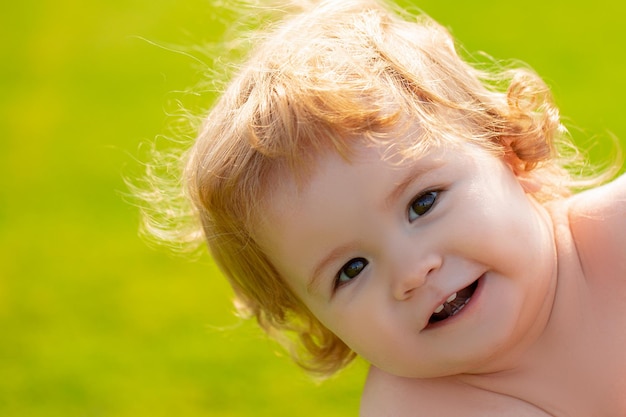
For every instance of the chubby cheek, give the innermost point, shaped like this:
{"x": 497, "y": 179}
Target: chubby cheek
{"x": 361, "y": 327}
{"x": 381, "y": 336}
{"x": 504, "y": 222}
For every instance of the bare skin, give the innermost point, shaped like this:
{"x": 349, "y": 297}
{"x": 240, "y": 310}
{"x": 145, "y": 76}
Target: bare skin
{"x": 375, "y": 248}
{"x": 578, "y": 365}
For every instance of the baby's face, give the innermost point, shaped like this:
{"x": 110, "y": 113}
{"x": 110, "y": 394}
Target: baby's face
{"x": 430, "y": 267}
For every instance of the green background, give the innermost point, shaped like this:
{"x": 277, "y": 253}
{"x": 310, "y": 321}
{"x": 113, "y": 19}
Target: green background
{"x": 95, "y": 323}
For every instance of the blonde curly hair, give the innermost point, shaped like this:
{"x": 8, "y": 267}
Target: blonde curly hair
{"x": 339, "y": 72}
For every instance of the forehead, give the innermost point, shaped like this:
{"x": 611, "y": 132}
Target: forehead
{"x": 330, "y": 178}
{"x": 331, "y": 168}
{"x": 368, "y": 179}
{"x": 370, "y": 161}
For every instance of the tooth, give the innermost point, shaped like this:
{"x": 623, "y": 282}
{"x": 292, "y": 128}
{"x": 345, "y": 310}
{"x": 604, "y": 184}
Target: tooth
{"x": 451, "y": 298}
{"x": 439, "y": 309}
{"x": 458, "y": 309}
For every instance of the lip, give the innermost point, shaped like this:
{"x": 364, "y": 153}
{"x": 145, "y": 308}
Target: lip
{"x": 467, "y": 309}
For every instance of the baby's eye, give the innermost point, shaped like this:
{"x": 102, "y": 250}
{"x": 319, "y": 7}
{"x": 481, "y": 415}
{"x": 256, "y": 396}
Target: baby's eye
{"x": 422, "y": 204}
{"x": 350, "y": 271}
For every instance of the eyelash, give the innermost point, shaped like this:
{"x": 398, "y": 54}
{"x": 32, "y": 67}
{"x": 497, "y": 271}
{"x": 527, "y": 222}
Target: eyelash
{"x": 424, "y": 207}
{"x": 357, "y": 265}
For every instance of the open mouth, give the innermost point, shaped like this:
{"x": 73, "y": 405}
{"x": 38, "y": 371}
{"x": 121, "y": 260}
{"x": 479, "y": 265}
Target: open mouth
{"x": 454, "y": 304}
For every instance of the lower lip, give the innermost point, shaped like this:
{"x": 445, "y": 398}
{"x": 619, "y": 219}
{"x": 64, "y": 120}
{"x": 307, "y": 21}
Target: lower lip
{"x": 465, "y": 311}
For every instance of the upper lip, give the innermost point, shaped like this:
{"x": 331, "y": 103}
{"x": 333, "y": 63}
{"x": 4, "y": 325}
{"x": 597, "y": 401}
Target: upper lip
{"x": 444, "y": 299}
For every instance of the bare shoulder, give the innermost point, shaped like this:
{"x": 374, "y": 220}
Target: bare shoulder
{"x": 601, "y": 212}
{"x": 598, "y": 224}
{"x": 387, "y": 395}
{"x": 608, "y": 200}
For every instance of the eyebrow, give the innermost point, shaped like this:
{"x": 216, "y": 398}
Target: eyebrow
{"x": 315, "y": 278}
{"x": 407, "y": 180}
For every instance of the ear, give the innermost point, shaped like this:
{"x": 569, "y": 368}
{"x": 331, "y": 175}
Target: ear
{"x": 520, "y": 169}
{"x": 529, "y": 182}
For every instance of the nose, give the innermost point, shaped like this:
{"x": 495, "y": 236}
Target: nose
{"x": 411, "y": 274}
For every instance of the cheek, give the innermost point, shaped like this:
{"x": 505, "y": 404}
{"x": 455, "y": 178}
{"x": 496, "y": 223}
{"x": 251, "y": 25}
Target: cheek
{"x": 355, "y": 323}
{"x": 505, "y": 227}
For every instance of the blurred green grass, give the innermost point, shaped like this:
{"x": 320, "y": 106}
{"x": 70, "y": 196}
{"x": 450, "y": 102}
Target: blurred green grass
{"x": 94, "y": 323}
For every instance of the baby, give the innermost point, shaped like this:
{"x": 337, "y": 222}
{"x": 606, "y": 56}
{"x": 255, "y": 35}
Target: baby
{"x": 365, "y": 189}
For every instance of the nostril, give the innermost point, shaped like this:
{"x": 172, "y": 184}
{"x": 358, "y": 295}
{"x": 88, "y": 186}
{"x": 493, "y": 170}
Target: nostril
{"x": 406, "y": 287}
{"x": 409, "y": 276}
{"x": 404, "y": 294}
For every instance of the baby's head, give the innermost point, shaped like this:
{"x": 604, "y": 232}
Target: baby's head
{"x": 339, "y": 76}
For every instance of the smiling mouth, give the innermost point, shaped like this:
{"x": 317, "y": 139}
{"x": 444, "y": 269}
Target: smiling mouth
{"x": 454, "y": 304}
